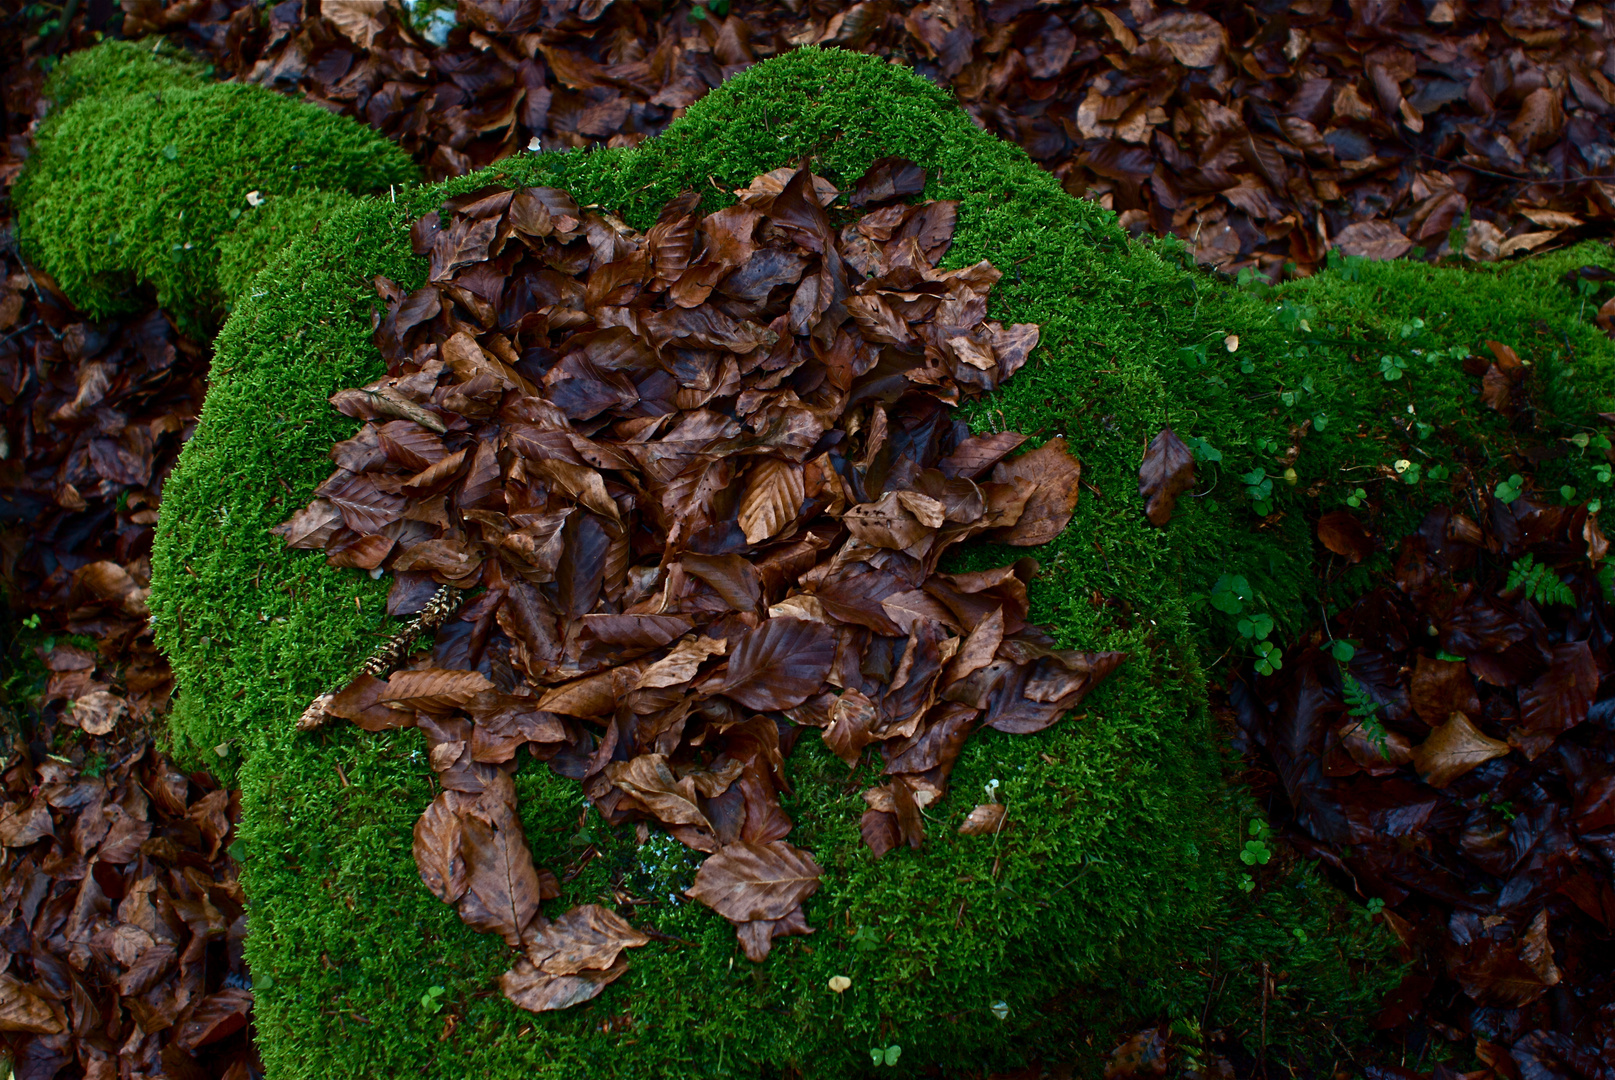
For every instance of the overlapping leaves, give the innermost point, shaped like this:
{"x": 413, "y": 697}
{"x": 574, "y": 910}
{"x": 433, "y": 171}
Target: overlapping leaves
{"x": 1461, "y": 766}
{"x": 704, "y": 477}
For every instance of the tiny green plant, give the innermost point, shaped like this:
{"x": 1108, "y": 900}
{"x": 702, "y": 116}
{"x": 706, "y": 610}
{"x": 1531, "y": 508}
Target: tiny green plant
{"x": 1256, "y": 852}
{"x": 1269, "y": 657}
{"x": 1364, "y": 709}
{"x": 1260, "y": 489}
{"x": 1203, "y": 451}
{"x": 1540, "y": 583}
{"x": 720, "y": 8}
{"x": 885, "y": 1055}
{"x": 1510, "y": 489}
{"x": 32, "y": 621}
{"x": 866, "y": 939}
{"x": 1343, "y": 651}
{"x": 1392, "y": 367}
{"x": 1357, "y": 498}
{"x": 1230, "y": 594}
{"x": 432, "y": 1000}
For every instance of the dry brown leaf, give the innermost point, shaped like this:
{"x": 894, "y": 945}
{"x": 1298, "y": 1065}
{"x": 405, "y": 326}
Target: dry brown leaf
{"x": 985, "y": 820}
{"x": 1453, "y": 749}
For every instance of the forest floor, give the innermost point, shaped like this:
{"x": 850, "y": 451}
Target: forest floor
{"x": 1267, "y": 135}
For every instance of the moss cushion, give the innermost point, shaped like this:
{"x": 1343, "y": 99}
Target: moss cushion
{"x": 1120, "y": 857}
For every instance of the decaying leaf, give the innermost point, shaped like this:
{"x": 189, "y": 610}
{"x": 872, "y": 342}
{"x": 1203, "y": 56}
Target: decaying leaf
{"x": 1167, "y": 472}
{"x": 1453, "y": 749}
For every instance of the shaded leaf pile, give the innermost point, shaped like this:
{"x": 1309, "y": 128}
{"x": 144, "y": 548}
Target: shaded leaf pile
{"x": 1460, "y": 767}
{"x": 705, "y": 476}
{"x": 122, "y": 921}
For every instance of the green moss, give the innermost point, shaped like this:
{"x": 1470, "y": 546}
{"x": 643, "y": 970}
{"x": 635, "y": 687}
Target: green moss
{"x": 262, "y": 231}
{"x": 137, "y": 188}
{"x": 1120, "y": 858}
{"x": 121, "y": 69}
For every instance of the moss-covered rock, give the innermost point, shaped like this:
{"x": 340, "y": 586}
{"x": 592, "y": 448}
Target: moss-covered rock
{"x": 1119, "y": 869}
{"x": 145, "y": 165}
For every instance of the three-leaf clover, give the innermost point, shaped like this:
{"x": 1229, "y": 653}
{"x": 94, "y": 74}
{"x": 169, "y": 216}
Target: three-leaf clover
{"x": 1392, "y": 367}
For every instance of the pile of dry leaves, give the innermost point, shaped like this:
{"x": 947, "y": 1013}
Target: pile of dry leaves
{"x": 121, "y": 918}
{"x": 705, "y": 475}
{"x": 1460, "y": 768}
{"x": 1264, "y": 133}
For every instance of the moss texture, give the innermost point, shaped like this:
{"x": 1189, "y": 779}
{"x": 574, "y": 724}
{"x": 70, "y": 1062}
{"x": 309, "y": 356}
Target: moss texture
{"x": 1119, "y": 869}
{"x": 137, "y": 179}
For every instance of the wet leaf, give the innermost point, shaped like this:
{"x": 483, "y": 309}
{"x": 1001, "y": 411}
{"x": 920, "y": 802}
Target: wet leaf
{"x": 1453, "y": 749}
{"x": 779, "y": 665}
{"x": 746, "y": 881}
{"x": 1167, "y": 472}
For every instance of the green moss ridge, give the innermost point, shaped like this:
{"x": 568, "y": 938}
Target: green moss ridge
{"x": 123, "y": 68}
{"x": 1120, "y": 854}
{"x": 131, "y": 188}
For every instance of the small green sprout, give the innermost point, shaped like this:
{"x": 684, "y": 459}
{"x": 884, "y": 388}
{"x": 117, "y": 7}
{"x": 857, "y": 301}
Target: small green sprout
{"x": 1230, "y": 594}
{"x": 1510, "y": 489}
{"x": 885, "y": 1055}
{"x": 1391, "y": 367}
{"x": 1343, "y": 651}
{"x": 1203, "y": 451}
{"x": 1357, "y": 498}
{"x": 431, "y": 1001}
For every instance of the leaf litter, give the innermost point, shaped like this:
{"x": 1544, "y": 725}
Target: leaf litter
{"x": 704, "y": 478}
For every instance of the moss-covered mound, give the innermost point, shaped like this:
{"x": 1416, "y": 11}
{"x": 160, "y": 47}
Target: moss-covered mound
{"x": 144, "y": 166}
{"x": 1120, "y": 855}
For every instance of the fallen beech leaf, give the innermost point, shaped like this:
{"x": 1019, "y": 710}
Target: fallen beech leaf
{"x": 985, "y": 820}
{"x": 1373, "y": 239}
{"x": 879, "y": 831}
{"x": 502, "y": 889}
{"x": 534, "y": 990}
{"x": 1195, "y": 39}
{"x": 1343, "y": 534}
{"x": 358, "y": 20}
{"x": 1056, "y": 474}
{"x": 23, "y": 823}
{"x": 23, "y": 1010}
{"x": 1495, "y": 967}
{"x": 588, "y": 937}
{"x": 1597, "y": 543}
{"x": 745, "y": 881}
{"x": 779, "y": 664}
{"x": 437, "y": 850}
{"x": 774, "y": 495}
{"x": 1167, "y": 472}
{"x": 887, "y": 180}
{"x": 649, "y": 780}
{"x": 98, "y": 712}
{"x": 1560, "y": 698}
{"x": 1453, "y": 749}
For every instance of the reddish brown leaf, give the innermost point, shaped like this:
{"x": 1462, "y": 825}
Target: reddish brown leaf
{"x": 778, "y": 665}
{"x": 1167, "y": 472}
{"x": 1453, "y": 749}
{"x": 437, "y": 850}
{"x": 1056, "y": 475}
{"x": 746, "y": 881}
{"x": 502, "y": 889}
{"x": 1343, "y": 534}
{"x": 586, "y": 938}
{"x": 534, "y": 990}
